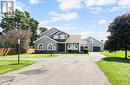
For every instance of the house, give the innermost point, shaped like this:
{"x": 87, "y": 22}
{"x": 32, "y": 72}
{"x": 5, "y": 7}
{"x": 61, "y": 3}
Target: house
{"x": 91, "y": 44}
{"x": 55, "y": 40}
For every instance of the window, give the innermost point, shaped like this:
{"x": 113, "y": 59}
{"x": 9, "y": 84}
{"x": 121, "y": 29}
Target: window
{"x": 55, "y": 36}
{"x": 69, "y": 47}
{"x": 40, "y": 47}
{"x": 75, "y": 46}
{"x": 50, "y": 47}
{"x": 62, "y": 36}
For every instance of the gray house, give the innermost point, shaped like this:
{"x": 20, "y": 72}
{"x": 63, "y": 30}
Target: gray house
{"x": 92, "y": 44}
{"x": 55, "y": 40}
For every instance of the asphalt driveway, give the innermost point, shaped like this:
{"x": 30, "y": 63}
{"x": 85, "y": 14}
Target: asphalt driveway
{"x": 62, "y": 70}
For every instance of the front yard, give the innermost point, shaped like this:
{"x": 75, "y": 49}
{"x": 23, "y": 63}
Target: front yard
{"x": 116, "y": 68}
{"x": 10, "y": 65}
{"x": 30, "y": 56}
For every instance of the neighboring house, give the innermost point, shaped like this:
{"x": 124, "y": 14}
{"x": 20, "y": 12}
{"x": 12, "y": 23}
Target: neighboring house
{"x": 55, "y": 40}
{"x": 92, "y": 44}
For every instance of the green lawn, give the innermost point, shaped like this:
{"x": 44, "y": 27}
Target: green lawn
{"x": 10, "y": 65}
{"x": 30, "y": 56}
{"x": 116, "y": 68}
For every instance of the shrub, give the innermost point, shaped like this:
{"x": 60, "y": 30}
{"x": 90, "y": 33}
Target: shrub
{"x": 73, "y": 51}
{"x": 85, "y": 51}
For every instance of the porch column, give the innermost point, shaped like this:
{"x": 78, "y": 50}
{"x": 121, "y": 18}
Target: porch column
{"x": 65, "y": 47}
{"x": 79, "y": 47}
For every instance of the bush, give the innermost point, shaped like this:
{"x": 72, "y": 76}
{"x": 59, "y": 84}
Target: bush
{"x": 73, "y": 51}
{"x": 85, "y": 51}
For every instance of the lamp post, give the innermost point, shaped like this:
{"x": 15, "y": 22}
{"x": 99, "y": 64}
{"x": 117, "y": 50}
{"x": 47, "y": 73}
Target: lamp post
{"x": 18, "y": 50}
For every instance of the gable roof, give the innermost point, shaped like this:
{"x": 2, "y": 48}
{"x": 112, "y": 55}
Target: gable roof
{"x": 56, "y": 30}
{"x": 74, "y": 39}
{"x": 44, "y": 37}
{"x": 89, "y": 40}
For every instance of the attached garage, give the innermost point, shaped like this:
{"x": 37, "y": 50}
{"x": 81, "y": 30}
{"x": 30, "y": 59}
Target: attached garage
{"x": 96, "y": 49}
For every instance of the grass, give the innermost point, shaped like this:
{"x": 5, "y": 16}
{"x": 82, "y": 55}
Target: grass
{"x": 116, "y": 68}
{"x": 30, "y": 56}
{"x": 10, "y": 65}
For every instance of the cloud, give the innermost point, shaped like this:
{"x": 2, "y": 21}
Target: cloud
{"x": 102, "y": 22}
{"x": 35, "y": 1}
{"x": 116, "y": 8}
{"x": 125, "y": 3}
{"x": 44, "y": 23}
{"x": 60, "y": 17}
{"x": 97, "y": 35}
{"x": 99, "y": 2}
{"x": 69, "y": 4}
{"x": 55, "y": 17}
{"x": 95, "y": 10}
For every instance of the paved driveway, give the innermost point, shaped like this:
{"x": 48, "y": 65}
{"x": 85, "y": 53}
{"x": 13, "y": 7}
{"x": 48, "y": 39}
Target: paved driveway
{"x": 62, "y": 70}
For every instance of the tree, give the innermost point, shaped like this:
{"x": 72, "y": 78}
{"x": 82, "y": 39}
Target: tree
{"x": 10, "y": 38}
{"x": 20, "y": 20}
{"x": 119, "y": 38}
{"x": 42, "y": 29}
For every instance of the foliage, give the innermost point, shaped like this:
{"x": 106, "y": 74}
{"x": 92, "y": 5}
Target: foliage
{"x": 20, "y": 20}
{"x": 73, "y": 51}
{"x": 119, "y": 38}
{"x": 42, "y": 29}
{"x": 9, "y": 65}
{"x": 10, "y": 38}
{"x": 85, "y": 51}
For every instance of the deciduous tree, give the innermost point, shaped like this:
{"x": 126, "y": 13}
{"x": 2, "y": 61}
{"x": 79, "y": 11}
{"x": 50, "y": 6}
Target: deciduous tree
{"x": 119, "y": 38}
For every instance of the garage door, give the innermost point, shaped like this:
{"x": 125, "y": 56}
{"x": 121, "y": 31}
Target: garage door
{"x": 96, "y": 49}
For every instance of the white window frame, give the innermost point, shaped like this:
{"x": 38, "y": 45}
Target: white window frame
{"x": 75, "y": 47}
{"x": 49, "y": 45}
{"x": 62, "y": 36}
{"x": 41, "y": 46}
{"x": 69, "y": 47}
{"x": 55, "y": 36}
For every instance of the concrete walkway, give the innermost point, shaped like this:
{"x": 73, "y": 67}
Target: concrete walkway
{"x": 62, "y": 70}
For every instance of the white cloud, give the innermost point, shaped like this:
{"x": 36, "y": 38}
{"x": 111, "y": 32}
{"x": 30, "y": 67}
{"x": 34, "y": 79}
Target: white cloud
{"x": 55, "y": 17}
{"x": 69, "y": 4}
{"x": 35, "y": 1}
{"x": 125, "y": 3}
{"x": 102, "y": 22}
{"x": 59, "y": 16}
{"x": 95, "y": 10}
{"x": 97, "y": 35}
{"x": 116, "y": 8}
{"x": 99, "y": 2}
{"x": 44, "y": 23}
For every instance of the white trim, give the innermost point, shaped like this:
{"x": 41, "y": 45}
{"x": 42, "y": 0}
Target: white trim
{"x": 42, "y": 46}
{"x": 43, "y": 37}
{"x": 48, "y": 45}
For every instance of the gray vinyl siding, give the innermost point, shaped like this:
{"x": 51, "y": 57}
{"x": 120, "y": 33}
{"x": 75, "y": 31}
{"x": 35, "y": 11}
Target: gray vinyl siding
{"x": 45, "y": 41}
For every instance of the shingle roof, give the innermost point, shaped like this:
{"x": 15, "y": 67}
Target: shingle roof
{"x": 74, "y": 39}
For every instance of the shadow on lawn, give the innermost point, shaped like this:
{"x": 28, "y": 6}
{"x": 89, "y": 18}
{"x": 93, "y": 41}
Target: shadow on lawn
{"x": 116, "y": 59}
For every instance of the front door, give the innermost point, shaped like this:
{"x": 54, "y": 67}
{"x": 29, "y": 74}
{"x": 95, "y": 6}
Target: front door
{"x": 61, "y": 47}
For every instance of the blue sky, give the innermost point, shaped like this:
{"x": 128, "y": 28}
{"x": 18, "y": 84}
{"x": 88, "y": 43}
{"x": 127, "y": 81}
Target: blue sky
{"x": 84, "y": 17}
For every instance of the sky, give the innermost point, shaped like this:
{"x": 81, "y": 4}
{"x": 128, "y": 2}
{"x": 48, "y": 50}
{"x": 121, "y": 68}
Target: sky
{"x": 79, "y": 17}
